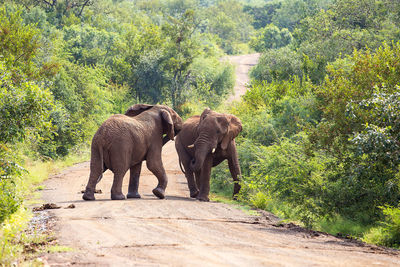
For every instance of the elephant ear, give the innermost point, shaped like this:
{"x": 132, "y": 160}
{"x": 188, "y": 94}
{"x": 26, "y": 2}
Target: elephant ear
{"x": 137, "y": 109}
{"x": 166, "y": 117}
{"x": 235, "y": 127}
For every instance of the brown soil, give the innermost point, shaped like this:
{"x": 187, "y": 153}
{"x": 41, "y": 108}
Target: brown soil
{"x": 179, "y": 231}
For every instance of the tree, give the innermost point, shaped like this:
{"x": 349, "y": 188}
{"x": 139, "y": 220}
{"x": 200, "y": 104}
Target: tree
{"x": 76, "y": 6}
{"x": 278, "y": 64}
{"x": 230, "y": 23}
{"x": 19, "y": 46}
{"x": 263, "y": 15}
{"x": 291, "y": 12}
{"x": 139, "y": 47}
{"x": 271, "y": 37}
{"x": 181, "y": 49}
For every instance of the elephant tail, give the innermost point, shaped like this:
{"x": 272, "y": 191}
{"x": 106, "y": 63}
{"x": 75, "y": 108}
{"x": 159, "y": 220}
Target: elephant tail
{"x": 103, "y": 165}
{"x": 180, "y": 165}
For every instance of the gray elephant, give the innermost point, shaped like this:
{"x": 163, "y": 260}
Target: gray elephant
{"x": 204, "y": 142}
{"x": 123, "y": 141}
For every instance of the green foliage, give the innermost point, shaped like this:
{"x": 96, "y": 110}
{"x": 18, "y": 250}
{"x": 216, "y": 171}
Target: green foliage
{"x": 230, "y": 23}
{"x": 9, "y": 201}
{"x": 378, "y": 140}
{"x": 368, "y": 73}
{"x": 271, "y": 37}
{"x": 181, "y": 51}
{"x": 260, "y": 200}
{"x": 345, "y": 26}
{"x": 338, "y": 225}
{"x": 359, "y": 129}
{"x": 291, "y": 12}
{"x": 324, "y": 31}
{"x": 326, "y": 155}
{"x": 22, "y": 105}
{"x": 88, "y": 45}
{"x": 9, "y": 198}
{"x": 388, "y": 233}
{"x": 274, "y": 110}
{"x": 138, "y": 62}
{"x": 288, "y": 176}
{"x": 222, "y": 181}
{"x": 278, "y": 64}
{"x": 18, "y": 42}
{"x": 10, "y": 231}
{"x": 214, "y": 80}
{"x": 262, "y": 16}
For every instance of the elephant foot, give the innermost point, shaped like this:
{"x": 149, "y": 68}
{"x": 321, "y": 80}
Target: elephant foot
{"x": 159, "y": 192}
{"x": 133, "y": 195}
{"x": 194, "y": 194}
{"x": 117, "y": 196}
{"x": 202, "y": 198}
{"x": 88, "y": 195}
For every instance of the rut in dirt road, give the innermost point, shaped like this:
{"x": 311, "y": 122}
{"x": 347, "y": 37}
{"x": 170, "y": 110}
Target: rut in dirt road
{"x": 180, "y": 231}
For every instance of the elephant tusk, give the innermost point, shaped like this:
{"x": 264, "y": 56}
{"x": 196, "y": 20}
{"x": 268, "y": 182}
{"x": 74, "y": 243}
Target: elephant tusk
{"x": 191, "y": 146}
{"x": 213, "y": 151}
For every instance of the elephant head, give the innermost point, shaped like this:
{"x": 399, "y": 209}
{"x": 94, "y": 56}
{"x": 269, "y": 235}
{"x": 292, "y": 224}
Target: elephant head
{"x": 172, "y": 122}
{"x": 214, "y": 131}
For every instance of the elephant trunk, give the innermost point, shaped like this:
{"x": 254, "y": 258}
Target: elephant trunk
{"x": 202, "y": 148}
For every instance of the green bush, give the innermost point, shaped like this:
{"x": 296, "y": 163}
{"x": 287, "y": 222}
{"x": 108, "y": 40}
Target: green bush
{"x": 222, "y": 181}
{"x": 9, "y": 171}
{"x": 288, "y": 176}
{"x": 271, "y": 37}
{"x": 214, "y": 81}
{"x": 388, "y": 233}
{"x": 260, "y": 200}
{"x": 278, "y": 64}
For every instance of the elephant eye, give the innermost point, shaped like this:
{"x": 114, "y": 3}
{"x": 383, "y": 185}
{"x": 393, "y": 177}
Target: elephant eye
{"x": 218, "y": 131}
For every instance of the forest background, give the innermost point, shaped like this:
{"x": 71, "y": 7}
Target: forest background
{"x": 321, "y": 119}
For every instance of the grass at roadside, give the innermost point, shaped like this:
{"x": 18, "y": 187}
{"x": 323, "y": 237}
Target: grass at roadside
{"x": 16, "y": 242}
{"x": 246, "y": 208}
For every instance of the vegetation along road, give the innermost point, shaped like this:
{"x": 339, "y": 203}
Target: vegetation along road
{"x": 180, "y": 231}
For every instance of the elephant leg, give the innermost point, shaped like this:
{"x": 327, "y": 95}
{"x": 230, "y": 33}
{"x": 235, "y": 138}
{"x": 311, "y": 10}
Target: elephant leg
{"x": 134, "y": 181}
{"x": 194, "y": 191}
{"x": 234, "y": 169}
{"x": 96, "y": 171}
{"x": 184, "y": 159}
{"x": 154, "y": 164}
{"x": 205, "y": 179}
{"x": 193, "y": 188}
{"x": 116, "y": 189}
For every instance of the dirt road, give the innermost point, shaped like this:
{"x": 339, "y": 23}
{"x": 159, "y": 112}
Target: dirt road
{"x": 179, "y": 231}
{"x": 243, "y": 65}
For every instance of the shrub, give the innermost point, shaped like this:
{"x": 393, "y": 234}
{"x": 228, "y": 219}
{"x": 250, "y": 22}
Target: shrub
{"x": 388, "y": 233}
{"x": 271, "y": 37}
{"x": 277, "y": 65}
{"x": 9, "y": 171}
{"x": 286, "y": 175}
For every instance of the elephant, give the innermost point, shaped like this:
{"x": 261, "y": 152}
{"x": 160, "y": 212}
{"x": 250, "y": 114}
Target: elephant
{"x": 122, "y": 142}
{"x": 204, "y": 142}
